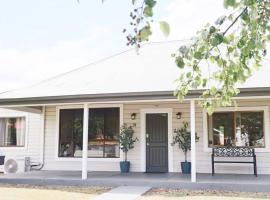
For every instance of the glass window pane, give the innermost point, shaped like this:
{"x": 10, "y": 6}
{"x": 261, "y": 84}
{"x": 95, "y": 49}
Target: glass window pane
{"x": 12, "y": 131}
{"x": 96, "y": 133}
{"x": 70, "y": 132}
{"x": 236, "y": 128}
{"x": 249, "y": 129}
{"x": 221, "y": 129}
{"x": 111, "y": 133}
{"x": 103, "y": 132}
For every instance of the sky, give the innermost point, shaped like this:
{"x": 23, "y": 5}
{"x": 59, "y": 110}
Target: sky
{"x": 41, "y": 39}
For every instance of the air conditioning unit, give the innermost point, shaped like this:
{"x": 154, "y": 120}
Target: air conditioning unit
{"x": 17, "y": 165}
{"x": 11, "y": 166}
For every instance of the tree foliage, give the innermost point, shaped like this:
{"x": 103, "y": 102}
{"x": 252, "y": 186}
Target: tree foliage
{"x": 229, "y": 50}
{"x": 182, "y": 138}
{"x": 126, "y": 139}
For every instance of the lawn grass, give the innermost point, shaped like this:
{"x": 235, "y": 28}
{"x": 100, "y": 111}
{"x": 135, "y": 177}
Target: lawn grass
{"x": 76, "y": 189}
{"x": 29, "y": 192}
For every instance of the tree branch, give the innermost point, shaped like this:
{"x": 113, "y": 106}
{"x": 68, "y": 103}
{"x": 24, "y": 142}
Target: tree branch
{"x": 235, "y": 20}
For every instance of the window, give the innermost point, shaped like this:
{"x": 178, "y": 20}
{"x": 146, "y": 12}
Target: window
{"x": 70, "y": 132}
{"x": 12, "y": 132}
{"x": 103, "y": 131}
{"x": 245, "y": 128}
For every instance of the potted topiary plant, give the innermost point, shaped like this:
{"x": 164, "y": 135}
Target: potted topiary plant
{"x": 126, "y": 141}
{"x": 182, "y": 138}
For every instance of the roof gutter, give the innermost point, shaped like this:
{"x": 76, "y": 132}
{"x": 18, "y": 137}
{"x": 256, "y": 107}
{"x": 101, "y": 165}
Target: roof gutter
{"x": 130, "y": 96}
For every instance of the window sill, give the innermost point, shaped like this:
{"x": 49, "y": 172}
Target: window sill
{"x": 14, "y": 148}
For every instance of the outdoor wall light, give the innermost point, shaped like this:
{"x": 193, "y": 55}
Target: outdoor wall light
{"x": 178, "y": 115}
{"x": 133, "y": 116}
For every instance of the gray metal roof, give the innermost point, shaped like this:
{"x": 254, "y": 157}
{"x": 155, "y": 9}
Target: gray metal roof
{"x": 125, "y": 76}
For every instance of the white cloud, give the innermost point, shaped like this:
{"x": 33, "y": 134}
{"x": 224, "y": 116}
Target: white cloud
{"x": 20, "y": 68}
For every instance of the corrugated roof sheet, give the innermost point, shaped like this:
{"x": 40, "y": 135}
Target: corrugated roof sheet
{"x": 152, "y": 70}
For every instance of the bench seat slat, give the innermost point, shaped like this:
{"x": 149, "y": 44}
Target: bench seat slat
{"x": 233, "y": 161}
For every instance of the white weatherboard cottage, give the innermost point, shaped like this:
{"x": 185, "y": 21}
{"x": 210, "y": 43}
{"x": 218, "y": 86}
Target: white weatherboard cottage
{"x": 71, "y": 122}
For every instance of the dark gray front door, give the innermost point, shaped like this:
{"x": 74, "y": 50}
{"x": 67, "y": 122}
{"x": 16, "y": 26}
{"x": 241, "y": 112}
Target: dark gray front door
{"x": 157, "y": 142}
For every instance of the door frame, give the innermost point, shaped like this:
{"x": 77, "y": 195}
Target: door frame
{"x": 143, "y": 113}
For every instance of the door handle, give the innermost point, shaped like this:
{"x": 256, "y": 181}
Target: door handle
{"x": 147, "y": 144}
{"x": 147, "y": 135}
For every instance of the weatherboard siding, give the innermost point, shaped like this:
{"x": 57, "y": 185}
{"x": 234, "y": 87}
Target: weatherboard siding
{"x": 32, "y": 144}
{"x": 203, "y": 158}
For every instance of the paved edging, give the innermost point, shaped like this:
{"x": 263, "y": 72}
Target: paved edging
{"x": 123, "y": 192}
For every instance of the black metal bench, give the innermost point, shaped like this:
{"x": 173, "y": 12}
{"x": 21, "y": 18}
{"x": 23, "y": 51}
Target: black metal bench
{"x": 235, "y": 152}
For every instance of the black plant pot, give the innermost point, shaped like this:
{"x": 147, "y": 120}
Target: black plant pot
{"x": 124, "y": 166}
{"x": 186, "y": 167}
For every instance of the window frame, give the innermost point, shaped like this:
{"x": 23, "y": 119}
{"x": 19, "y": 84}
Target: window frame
{"x": 264, "y": 109}
{"x": 58, "y": 108}
{"x": 104, "y": 140}
{"x": 15, "y": 115}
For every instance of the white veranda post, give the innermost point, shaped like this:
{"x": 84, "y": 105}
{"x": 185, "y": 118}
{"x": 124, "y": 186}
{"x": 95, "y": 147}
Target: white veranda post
{"x": 193, "y": 141}
{"x": 85, "y": 141}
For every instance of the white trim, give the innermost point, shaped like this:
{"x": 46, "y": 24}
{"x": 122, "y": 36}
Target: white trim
{"x": 265, "y": 109}
{"x": 193, "y": 140}
{"x": 42, "y": 134}
{"x": 58, "y": 108}
{"x": 12, "y": 115}
{"x": 85, "y": 141}
{"x": 143, "y": 113}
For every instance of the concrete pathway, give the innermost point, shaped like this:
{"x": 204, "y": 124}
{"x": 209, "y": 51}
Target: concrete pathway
{"x": 123, "y": 192}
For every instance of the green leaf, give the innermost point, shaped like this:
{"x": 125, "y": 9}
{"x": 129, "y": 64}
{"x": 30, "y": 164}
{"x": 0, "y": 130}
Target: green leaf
{"x": 148, "y": 11}
{"x": 150, "y": 3}
{"x": 165, "y": 28}
{"x": 249, "y": 2}
{"x": 245, "y": 17}
{"x": 228, "y": 3}
{"x": 144, "y": 33}
{"x": 198, "y": 55}
{"x": 217, "y": 39}
{"x": 189, "y": 75}
{"x": 204, "y": 82}
{"x": 212, "y": 29}
{"x": 180, "y": 62}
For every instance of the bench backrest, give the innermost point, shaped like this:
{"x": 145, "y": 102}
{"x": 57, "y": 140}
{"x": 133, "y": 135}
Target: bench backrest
{"x": 233, "y": 152}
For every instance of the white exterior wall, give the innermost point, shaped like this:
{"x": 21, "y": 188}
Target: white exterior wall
{"x": 32, "y": 139}
{"x": 203, "y": 157}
